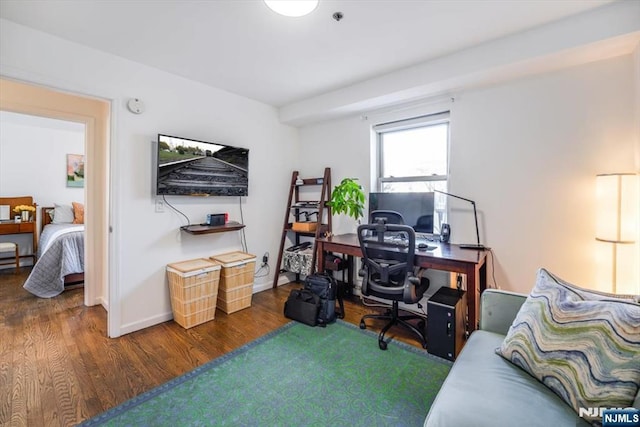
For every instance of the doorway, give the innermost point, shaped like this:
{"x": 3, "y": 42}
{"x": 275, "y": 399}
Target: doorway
{"x": 94, "y": 113}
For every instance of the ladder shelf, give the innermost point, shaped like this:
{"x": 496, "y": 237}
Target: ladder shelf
{"x": 297, "y": 210}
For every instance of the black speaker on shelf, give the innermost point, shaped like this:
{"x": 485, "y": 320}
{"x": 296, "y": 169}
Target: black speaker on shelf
{"x": 446, "y": 314}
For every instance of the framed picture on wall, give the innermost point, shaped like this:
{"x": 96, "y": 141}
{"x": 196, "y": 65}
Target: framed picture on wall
{"x": 75, "y": 170}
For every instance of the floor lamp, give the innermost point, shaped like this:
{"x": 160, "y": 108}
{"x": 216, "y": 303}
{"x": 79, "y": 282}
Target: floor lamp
{"x": 617, "y": 215}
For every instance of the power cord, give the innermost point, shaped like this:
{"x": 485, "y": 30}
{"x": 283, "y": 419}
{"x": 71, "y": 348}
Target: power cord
{"x": 493, "y": 270}
{"x": 264, "y": 265}
{"x": 265, "y": 273}
{"x": 176, "y": 209}
{"x": 243, "y": 237}
{"x": 421, "y": 307}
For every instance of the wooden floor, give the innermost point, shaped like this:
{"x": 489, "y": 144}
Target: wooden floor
{"x": 58, "y": 368}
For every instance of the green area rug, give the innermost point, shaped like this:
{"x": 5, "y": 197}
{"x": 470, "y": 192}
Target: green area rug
{"x": 296, "y": 376}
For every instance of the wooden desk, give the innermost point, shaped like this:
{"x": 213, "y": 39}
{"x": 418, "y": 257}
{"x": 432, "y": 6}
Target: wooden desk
{"x": 11, "y": 227}
{"x": 447, "y": 257}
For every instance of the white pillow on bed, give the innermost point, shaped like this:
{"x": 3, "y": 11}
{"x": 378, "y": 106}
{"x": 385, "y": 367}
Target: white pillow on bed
{"x": 62, "y": 214}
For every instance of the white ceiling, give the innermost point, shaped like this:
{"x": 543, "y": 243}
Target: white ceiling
{"x": 243, "y": 47}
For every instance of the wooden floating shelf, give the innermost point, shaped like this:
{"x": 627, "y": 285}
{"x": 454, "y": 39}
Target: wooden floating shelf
{"x": 208, "y": 229}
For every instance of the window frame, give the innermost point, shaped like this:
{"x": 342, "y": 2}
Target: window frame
{"x": 406, "y": 124}
{"x": 441, "y": 204}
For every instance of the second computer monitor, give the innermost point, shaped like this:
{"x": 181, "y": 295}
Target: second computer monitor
{"x": 417, "y": 209}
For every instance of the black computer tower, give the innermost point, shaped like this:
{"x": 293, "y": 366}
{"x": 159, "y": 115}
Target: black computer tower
{"x": 446, "y": 314}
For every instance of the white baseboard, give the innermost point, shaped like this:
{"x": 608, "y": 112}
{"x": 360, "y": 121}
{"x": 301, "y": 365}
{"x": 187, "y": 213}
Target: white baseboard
{"x": 260, "y": 287}
{"x": 267, "y": 284}
{"x": 154, "y": 320}
{"x": 145, "y": 323}
{"x": 283, "y": 280}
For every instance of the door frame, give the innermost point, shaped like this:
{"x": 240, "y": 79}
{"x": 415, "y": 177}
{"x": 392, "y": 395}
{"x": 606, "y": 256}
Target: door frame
{"x": 95, "y": 114}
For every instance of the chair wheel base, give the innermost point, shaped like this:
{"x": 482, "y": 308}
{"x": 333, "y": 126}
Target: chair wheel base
{"x": 382, "y": 345}
{"x": 362, "y": 325}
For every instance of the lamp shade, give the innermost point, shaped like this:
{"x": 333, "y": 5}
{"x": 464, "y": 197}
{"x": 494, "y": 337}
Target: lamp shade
{"x": 617, "y": 207}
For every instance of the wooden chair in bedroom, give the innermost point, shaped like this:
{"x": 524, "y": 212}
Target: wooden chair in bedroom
{"x": 11, "y": 247}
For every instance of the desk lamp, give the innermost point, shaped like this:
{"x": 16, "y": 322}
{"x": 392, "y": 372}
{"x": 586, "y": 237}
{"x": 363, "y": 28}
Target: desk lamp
{"x": 477, "y": 246}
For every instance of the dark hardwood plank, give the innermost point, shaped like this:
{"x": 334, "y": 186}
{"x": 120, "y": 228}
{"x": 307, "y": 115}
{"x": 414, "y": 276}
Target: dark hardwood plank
{"x": 57, "y": 366}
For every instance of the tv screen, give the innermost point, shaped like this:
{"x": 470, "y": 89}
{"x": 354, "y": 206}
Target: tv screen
{"x": 187, "y": 167}
{"x": 417, "y": 209}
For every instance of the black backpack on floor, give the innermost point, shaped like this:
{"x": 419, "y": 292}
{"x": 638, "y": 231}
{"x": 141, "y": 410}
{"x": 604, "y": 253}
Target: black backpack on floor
{"x": 302, "y": 306}
{"x": 326, "y": 288}
{"x": 315, "y": 304}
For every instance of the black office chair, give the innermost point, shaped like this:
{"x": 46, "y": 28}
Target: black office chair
{"x": 388, "y": 252}
{"x": 387, "y": 217}
{"x": 424, "y": 224}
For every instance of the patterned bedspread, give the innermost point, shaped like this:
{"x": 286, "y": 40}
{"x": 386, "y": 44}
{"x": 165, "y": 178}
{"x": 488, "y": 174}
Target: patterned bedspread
{"x": 61, "y": 252}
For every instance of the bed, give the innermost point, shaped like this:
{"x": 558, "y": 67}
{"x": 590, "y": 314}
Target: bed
{"x": 60, "y": 260}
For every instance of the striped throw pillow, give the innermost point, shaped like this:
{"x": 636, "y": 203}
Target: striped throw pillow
{"x": 584, "y": 346}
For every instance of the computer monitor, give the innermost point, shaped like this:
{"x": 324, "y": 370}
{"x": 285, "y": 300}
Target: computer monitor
{"x": 417, "y": 209}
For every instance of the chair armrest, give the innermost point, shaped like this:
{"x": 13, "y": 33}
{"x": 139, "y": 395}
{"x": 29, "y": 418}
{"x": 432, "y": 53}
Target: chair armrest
{"x": 498, "y": 309}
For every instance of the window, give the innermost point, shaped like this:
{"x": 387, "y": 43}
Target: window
{"x": 413, "y": 157}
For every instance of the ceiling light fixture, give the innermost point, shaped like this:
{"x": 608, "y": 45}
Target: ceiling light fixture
{"x": 293, "y": 8}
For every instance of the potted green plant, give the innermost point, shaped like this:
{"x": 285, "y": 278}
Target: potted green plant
{"x": 348, "y": 198}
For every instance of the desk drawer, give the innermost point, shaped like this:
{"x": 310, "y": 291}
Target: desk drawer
{"x": 26, "y": 227}
{"x": 9, "y": 228}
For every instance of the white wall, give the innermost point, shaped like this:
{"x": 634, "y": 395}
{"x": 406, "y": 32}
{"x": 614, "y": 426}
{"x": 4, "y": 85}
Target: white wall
{"x": 600, "y": 33}
{"x": 144, "y": 241}
{"x": 527, "y": 152}
{"x": 33, "y": 162}
{"x": 535, "y": 145}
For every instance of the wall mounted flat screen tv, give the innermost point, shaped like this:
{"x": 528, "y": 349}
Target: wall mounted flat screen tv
{"x": 187, "y": 167}
{"x": 417, "y": 209}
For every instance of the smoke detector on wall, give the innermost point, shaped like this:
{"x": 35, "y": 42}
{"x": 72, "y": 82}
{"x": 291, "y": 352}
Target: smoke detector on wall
{"x": 135, "y": 106}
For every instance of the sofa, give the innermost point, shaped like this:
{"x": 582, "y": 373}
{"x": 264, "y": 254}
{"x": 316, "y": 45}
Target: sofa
{"x": 484, "y": 389}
